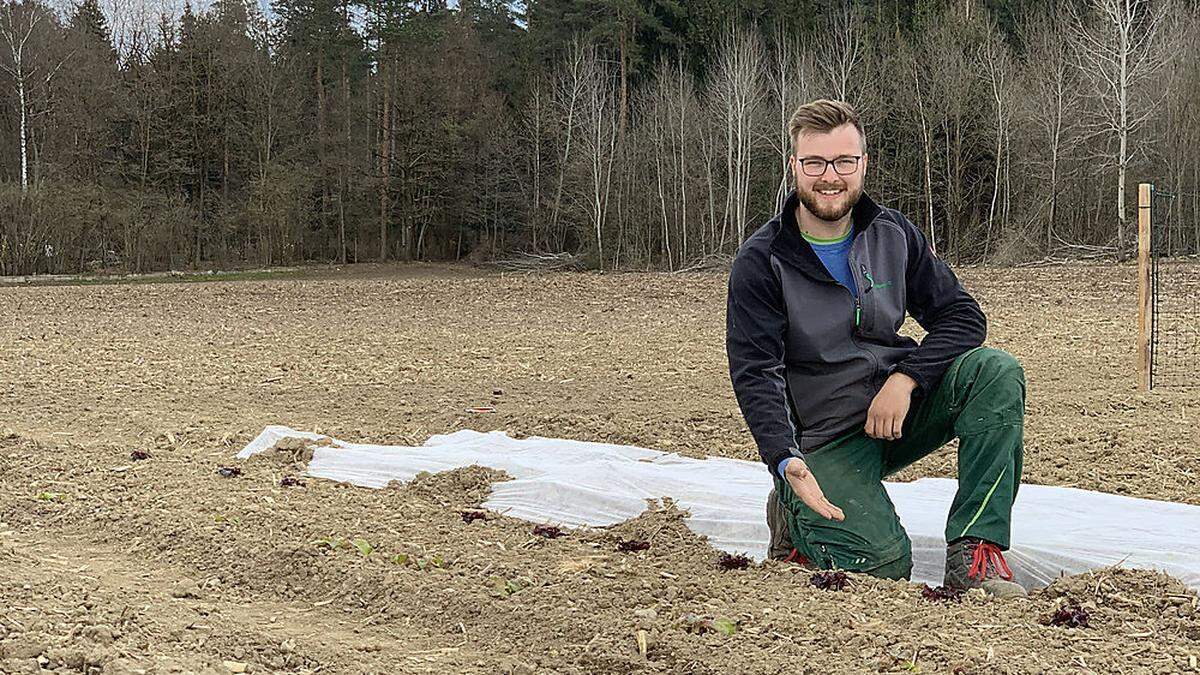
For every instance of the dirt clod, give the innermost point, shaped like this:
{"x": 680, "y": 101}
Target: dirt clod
{"x": 186, "y": 588}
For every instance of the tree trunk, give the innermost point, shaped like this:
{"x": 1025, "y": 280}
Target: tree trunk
{"x": 344, "y": 164}
{"x": 624, "y": 79}
{"x": 321, "y": 149}
{"x": 385, "y": 157}
{"x": 24, "y": 130}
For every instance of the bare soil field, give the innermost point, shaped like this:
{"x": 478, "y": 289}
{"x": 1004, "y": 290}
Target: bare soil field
{"x": 114, "y": 564}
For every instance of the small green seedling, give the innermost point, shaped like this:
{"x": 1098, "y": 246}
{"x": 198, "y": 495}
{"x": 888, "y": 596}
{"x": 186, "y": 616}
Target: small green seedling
{"x": 52, "y": 497}
{"x": 329, "y": 543}
{"x": 693, "y": 623}
{"x": 422, "y": 564}
{"x": 725, "y": 626}
{"x": 425, "y": 563}
{"x": 363, "y": 546}
{"x": 508, "y": 587}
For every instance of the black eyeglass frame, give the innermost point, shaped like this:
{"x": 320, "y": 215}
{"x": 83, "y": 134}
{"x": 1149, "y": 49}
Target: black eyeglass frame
{"x": 827, "y": 162}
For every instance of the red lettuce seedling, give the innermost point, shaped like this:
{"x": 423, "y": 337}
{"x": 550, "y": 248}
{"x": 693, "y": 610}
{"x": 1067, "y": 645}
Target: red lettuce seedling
{"x": 472, "y": 516}
{"x": 1070, "y": 615}
{"x": 547, "y": 531}
{"x": 139, "y": 455}
{"x": 830, "y": 581}
{"x": 632, "y": 545}
{"x": 291, "y": 481}
{"x": 229, "y": 471}
{"x": 733, "y": 561}
{"x": 943, "y": 593}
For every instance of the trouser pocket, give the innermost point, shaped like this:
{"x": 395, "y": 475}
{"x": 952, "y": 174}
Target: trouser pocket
{"x": 870, "y": 539}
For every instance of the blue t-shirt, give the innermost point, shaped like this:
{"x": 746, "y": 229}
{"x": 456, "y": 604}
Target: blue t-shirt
{"x": 835, "y": 255}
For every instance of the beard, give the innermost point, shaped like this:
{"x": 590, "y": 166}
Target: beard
{"x": 830, "y": 210}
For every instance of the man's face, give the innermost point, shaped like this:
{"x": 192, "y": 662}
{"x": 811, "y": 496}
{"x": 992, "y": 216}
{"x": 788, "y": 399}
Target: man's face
{"x": 831, "y": 195}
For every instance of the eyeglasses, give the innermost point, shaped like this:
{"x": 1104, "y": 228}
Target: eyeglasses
{"x": 843, "y": 166}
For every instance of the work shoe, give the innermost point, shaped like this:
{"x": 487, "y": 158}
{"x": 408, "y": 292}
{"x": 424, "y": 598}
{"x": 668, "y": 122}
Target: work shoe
{"x": 781, "y": 539}
{"x": 975, "y": 563}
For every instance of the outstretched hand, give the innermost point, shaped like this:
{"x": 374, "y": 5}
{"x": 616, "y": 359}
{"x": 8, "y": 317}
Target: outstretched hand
{"x": 804, "y": 484}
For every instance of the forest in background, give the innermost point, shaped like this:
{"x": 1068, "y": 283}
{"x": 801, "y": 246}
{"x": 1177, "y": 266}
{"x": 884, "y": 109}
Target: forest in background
{"x": 630, "y": 134}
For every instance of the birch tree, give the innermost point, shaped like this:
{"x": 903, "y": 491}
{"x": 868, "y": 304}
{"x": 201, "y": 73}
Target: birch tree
{"x": 737, "y": 93}
{"x": 997, "y": 72}
{"x": 910, "y": 72}
{"x": 1119, "y": 50}
{"x": 789, "y": 86}
{"x": 841, "y": 58}
{"x": 567, "y": 101}
{"x": 600, "y": 126}
{"x": 1050, "y": 105}
{"x": 20, "y": 40}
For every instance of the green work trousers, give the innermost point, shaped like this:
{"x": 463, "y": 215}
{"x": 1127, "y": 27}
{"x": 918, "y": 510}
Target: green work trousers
{"x": 981, "y": 401}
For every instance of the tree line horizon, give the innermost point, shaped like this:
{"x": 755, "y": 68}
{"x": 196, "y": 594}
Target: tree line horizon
{"x": 632, "y": 134}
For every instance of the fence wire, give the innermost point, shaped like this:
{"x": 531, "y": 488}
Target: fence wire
{"x": 1175, "y": 292}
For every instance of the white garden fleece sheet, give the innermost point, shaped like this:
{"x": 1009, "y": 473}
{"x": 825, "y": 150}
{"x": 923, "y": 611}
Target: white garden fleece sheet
{"x": 1056, "y": 530}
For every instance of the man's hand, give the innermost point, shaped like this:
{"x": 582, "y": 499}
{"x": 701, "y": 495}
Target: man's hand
{"x": 885, "y": 417}
{"x": 804, "y": 484}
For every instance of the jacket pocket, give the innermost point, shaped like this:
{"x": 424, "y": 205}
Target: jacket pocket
{"x": 882, "y": 306}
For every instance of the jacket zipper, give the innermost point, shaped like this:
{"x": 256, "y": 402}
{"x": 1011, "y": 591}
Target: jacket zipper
{"x": 857, "y": 300}
{"x": 857, "y": 304}
{"x": 858, "y": 315}
{"x": 857, "y": 297}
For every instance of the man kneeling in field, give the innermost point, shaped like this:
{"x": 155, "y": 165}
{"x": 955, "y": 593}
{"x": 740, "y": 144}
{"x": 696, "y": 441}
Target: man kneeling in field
{"x": 837, "y": 400}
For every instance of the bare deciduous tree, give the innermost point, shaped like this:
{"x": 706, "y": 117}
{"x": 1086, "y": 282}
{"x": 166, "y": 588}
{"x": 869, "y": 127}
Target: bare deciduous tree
{"x": 19, "y": 38}
{"x": 1050, "y": 105}
{"x": 996, "y": 70}
{"x": 789, "y": 86}
{"x": 1119, "y": 50}
{"x": 841, "y": 58}
{"x": 599, "y": 127}
{"x": 737, "y": 92}
{"x": 567, "y": 100}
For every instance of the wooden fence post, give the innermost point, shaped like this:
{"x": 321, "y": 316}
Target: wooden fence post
{"x": 1143, "y": 285}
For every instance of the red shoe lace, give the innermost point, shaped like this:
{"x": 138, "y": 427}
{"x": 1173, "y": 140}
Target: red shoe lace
{"x": 796, "y": 557}
{"x": 986, "y": 553}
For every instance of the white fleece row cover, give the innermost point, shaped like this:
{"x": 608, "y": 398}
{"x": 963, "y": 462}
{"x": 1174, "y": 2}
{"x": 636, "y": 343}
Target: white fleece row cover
{"x": 1056, "y": 530}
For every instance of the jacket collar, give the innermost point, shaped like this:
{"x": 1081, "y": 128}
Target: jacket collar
{"x": 788, "y": 244}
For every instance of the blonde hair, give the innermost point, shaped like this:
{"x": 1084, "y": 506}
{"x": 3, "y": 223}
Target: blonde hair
{"x": 822, "y": 116}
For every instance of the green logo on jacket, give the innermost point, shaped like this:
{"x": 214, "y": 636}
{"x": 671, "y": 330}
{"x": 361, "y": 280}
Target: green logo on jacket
{"x": 875, "y": 285}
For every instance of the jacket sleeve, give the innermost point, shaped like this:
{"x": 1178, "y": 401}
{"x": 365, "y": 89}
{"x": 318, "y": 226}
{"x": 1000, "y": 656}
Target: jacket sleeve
{"x": 935, "y": 298}
{"x": 755, "y": 329}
